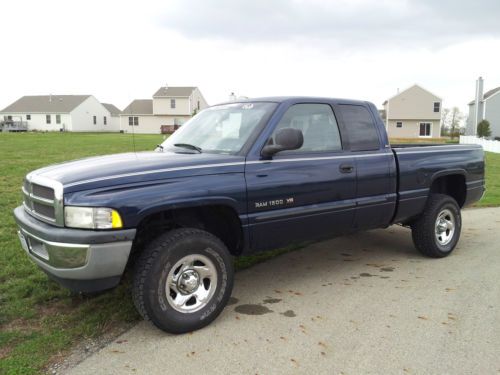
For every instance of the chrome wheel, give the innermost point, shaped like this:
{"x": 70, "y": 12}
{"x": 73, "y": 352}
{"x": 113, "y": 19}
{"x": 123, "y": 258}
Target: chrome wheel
{"x": 445, "y": 227}
{"x": 191, "y": 283}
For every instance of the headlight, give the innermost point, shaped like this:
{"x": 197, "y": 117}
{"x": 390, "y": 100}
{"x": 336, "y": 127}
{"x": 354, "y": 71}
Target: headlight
{"x": 92, "y": 218}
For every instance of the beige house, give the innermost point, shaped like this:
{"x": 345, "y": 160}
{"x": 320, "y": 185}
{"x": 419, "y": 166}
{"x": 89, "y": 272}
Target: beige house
{"x": 169, "y": 108}
{"x": 413, "y": 113}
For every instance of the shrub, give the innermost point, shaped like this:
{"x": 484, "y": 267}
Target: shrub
{"x": 483, "y": 129}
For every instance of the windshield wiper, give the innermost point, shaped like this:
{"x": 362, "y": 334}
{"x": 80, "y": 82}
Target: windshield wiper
{"x": 188, "y": 146}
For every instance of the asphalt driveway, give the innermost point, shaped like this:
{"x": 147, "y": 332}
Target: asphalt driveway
{"x": 367, "y": 303}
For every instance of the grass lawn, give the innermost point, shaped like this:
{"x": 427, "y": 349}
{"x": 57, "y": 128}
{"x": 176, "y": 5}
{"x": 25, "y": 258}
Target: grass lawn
{"x": 40, "y": 320}
{"x": 492, "y": 195}
{"x": 423, "y": 140}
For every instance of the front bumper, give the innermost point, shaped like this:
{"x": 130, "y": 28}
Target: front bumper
{"x": 81, "y": 260}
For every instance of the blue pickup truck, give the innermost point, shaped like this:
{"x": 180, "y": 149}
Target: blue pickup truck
{"x": 238, "y": 178}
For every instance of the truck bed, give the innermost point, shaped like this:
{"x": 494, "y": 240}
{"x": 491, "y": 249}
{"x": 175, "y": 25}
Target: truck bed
{"x": 421, "y": 165}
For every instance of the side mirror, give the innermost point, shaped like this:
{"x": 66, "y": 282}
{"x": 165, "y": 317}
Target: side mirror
{"x": 285, "y": 139}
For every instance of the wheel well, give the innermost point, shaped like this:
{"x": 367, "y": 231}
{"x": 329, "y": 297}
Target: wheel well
{"x": 220, "y": 220}
{"x": 452, "y": 185}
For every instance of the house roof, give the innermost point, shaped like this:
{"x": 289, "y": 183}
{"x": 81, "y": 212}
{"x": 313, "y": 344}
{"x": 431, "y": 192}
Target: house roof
{"x": 487, "y": 94}
{"x": 46, "y": 103}
{"x": 139, "y": 107}
{"x": 173, "y": 92}
{"x": 412, "y": 86}
{"x": 112, "y": 109}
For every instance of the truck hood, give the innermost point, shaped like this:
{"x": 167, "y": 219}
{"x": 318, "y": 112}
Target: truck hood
{"x": 118, "y": 169}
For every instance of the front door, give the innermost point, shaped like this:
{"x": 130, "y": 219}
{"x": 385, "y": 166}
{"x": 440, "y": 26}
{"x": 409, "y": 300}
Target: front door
{"x": 303, "y": 194}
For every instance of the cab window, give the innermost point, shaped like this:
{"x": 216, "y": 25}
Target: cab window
{"x": 318, "y": 125}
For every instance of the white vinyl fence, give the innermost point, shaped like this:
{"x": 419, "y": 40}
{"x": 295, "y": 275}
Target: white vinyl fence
{"x": 492, "y": 146}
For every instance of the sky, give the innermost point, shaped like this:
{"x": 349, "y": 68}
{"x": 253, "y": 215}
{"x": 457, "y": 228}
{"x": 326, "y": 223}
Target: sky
{"x": 360, "y": 49}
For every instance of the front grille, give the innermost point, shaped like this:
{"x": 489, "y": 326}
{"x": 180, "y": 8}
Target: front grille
{"x": 41, "y": 201}
{"x": 42, "y": 209}
{"x": 43, "y": 191}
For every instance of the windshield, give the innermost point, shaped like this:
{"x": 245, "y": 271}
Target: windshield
{"x": 219, "y": 129}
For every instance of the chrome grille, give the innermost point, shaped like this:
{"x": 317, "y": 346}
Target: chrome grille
{"x": 43, "y": 199}
{"x": 42, "y": 209}
{"x": 43, "y": 191}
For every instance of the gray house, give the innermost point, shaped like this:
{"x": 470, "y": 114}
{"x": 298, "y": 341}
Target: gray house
{"x": 489, "y": 109}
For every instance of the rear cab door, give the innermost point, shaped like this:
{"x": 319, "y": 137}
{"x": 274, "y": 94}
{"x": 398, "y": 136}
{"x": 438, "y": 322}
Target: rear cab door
{"x": 376, "y": 172}
{"x": 302, "y": 194}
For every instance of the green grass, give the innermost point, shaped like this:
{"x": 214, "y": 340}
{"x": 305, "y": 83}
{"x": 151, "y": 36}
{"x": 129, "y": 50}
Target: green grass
{"x": 492, "y": 195}
{"x": 40, "y": 320}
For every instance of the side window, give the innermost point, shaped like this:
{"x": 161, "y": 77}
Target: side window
{"x": 363, "y": 135}
{"x": 318, "y": 125}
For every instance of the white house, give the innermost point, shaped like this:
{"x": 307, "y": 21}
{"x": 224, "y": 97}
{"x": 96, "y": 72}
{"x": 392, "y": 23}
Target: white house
{"x": 489, "y": 109}
{"x": 114, "y": 116}
{"x": 77, "y": 113}
{"x": 413, "y": 113}
{"x": 169, "y": 108}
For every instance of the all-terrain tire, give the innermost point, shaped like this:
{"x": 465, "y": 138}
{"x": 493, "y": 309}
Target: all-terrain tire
{"x": 442, "y": 210}
{"x": 154, "y": 275}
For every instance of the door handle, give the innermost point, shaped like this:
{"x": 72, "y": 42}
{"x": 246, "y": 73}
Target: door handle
{"x": 346, "y": 168}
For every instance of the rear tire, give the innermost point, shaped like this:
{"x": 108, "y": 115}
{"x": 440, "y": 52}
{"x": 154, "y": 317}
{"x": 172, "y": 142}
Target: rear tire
{"x": 437, "y": 231}
{"x": 183, "y": 280}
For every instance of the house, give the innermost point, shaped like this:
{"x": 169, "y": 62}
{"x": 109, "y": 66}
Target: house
{"x": 489, "y": 109}
{"x": 169, "y": 109}
{"x": 114, "y": 116}
{"x": 77, "y": 113}
{"x": 413, "y": 113}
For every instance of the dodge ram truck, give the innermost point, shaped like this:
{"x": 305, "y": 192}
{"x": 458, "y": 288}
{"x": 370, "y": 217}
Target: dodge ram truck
{"x": 238, "y": 178}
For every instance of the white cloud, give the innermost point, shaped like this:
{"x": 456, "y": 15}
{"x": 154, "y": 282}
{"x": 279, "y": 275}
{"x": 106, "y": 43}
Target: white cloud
{"x": 361, "y": 49}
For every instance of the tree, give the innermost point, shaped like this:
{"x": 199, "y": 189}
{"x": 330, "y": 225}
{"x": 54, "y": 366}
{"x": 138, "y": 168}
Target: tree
{"x": 444, "y": 120}
{"x": 483, "y": 129}
{"x": 456, "y": 118}
{"x": 451, "y": 120}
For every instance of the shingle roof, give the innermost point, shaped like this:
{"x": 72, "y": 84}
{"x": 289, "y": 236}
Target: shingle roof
{"x": 46, "y": 103}
{"x": 487, "y": 94}
{"x": 112, "y": 109}
{"x": 139, "y": 107}
{"x": 174, "y": 92}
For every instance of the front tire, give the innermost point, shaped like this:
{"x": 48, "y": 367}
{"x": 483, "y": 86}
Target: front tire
{"x": 183, "y": 280}
{"x": 437, "y": 231}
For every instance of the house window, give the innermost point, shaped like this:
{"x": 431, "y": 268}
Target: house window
{"x": 133, "y": 121}
{"x": 28, "y": 117}
{"x": 425, "y": 129}
{"x": 95, "y": 120}
{"x": 47, "y": 119}
{"x": 105, "y": 121}
{"x": 399, "y": 124}
{"x": 9, "y": 118}
{"x": 58, "y": 119}
{"x": 437, "y": 106}
{"x": 172, "y": 103}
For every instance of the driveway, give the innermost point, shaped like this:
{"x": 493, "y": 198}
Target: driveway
{"x": 366, "y": 303}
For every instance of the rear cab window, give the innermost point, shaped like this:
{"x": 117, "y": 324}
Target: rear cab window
{"x": 360, "y": 126}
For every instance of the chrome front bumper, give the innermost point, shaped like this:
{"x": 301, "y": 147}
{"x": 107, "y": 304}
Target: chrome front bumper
{"x": 75, "y": 258}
